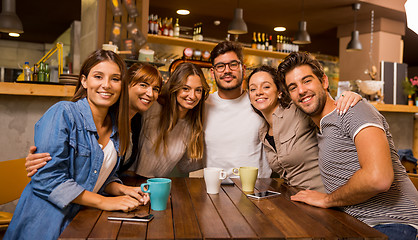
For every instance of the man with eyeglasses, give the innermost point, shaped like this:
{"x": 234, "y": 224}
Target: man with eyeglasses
{"x": 231, "y": 125}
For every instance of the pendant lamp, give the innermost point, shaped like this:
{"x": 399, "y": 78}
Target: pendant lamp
{"x": 354, "y": 44}
{"x": 9, "y": 21}
{"x": 302, "y": 35}
{"x": 238, "y": 26}
{"x": 411, "y": 7}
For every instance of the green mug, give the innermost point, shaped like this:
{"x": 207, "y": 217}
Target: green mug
{"x": 248, "y": 176}
{"x": 159, "y": 190}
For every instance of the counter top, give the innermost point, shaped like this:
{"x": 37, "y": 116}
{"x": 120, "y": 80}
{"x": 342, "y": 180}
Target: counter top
{"x": 395, "y": 108}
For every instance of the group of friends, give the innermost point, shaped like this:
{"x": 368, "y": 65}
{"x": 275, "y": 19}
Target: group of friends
{"x": 283, "y": 121}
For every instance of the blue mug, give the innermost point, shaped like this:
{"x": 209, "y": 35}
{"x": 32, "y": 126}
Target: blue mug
{"x": 159, "y": 190}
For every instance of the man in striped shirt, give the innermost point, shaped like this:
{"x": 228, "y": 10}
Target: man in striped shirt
{"x": 359, "y": 165}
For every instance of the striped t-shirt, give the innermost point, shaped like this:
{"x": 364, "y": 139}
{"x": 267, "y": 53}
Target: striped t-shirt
{"x": 338, "y": 162}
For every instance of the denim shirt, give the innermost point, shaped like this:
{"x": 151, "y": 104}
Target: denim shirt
{"x": 67, "y": 131}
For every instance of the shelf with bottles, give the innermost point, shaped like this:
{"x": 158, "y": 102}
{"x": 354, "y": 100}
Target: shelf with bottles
{"x": 35, "y": 89}
{"x": 203, "y": 45}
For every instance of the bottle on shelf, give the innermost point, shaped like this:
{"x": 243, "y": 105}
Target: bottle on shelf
{"x": 258, "y": 40}
{"x": 151, "y": 24}
{"x": 47, "y": 73}
{"x": 410, "y": 101}
{"x": 160, "y": 27}
{"x": 41, "y": 73}
{"x": 263, "y": 41}
{"x": 26, "y": 72}
{"x": 155, "y": 23}
{"x": 165, "y": 27}
{"x": 266, "y": 42}
{"x": 279, "y": 43}
{"x": 170, "y": 27}
{"x": 35, "y": 73}
{"x": 254, "y": 41}
{"x": 199, "y": 35}
{"x": 270, "y": 48}
{"x": 176, "y": 32}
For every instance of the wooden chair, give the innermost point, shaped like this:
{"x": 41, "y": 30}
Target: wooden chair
{"x": 13, "y": 180}
{"x": 414, "y": 179}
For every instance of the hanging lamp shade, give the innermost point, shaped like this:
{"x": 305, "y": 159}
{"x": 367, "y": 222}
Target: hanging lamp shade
{"x": 411, "y": 7}
{"x": 354, "y": 44}
{"x": 238, "y": 26}
{"x": 9, "y": 21}
{"x": 302, "y": 35}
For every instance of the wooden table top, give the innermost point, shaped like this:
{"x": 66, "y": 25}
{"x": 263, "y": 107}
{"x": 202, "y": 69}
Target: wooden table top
{"x": 193, "y": 214}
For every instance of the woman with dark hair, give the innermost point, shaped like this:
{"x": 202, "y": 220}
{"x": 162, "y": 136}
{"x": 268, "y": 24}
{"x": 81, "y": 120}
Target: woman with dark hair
{"x": 173, "y": 130}
{"x": 85, "y": 138}
{"x": 288, "y": 135}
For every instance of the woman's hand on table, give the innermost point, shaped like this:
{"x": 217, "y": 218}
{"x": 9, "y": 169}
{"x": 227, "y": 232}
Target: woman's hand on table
{"x": 136, "y": 193}
{"x": 118, "y": 189}
{"x": 34, "y": 161}
{"x": 120, "y": 203}
{"x": 347, "y": 100}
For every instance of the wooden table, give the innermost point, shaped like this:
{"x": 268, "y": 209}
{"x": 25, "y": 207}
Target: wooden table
{"x": 193, "y": 214}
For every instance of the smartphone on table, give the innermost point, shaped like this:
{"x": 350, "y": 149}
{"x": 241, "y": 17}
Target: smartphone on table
{"x": 262, "y": 195}
{"x": 136, "y": 218}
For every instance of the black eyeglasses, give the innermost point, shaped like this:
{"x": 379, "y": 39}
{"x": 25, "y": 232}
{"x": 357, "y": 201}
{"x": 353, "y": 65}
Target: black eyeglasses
{"x": 233, "y": 65}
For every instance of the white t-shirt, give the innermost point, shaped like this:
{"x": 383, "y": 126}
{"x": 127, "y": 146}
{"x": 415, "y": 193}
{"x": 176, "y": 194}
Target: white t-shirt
{"x": 110, "y": 157}
{"x": 231, "y": 135}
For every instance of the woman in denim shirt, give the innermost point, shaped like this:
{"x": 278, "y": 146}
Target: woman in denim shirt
{"x": 84, "y": 138}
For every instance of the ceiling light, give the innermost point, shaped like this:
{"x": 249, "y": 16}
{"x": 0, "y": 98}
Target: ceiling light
{"x": 354, "y": 44}
{"x": 279, "y": 29}
{"x": 302, "y": 35}
{"x": 9, "y": 21}
{"x": 411, "y": 15}
{"x": 238, "y": 26}
{"x": 14, "y": 34}
{"x": 183, "y": 12}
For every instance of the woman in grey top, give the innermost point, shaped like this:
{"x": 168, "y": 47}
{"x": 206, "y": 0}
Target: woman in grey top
{"x": 288, "y": 135}
{"x": 172, "y": 132}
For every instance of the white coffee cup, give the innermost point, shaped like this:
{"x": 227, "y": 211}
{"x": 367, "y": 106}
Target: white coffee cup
{"x": 213, "y": 178}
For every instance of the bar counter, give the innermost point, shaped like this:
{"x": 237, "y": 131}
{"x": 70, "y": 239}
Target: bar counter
{"x": 193, "y": 214}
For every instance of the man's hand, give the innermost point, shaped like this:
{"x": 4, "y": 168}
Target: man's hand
{"x": 311, "y": 197}
{"x": 35, "y": 161}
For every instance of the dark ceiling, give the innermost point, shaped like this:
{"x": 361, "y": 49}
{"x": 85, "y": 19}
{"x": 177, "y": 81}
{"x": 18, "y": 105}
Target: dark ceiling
{"x": 45, "y": 20}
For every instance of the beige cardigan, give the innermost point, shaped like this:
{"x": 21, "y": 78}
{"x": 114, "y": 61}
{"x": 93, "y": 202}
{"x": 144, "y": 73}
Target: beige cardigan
{"x": 296, "y": 158}
{"x": 150, "y": 164}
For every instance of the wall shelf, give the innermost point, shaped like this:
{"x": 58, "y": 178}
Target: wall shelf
{"x": 33, "y": 89}
{"x": 202, "y": 45}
